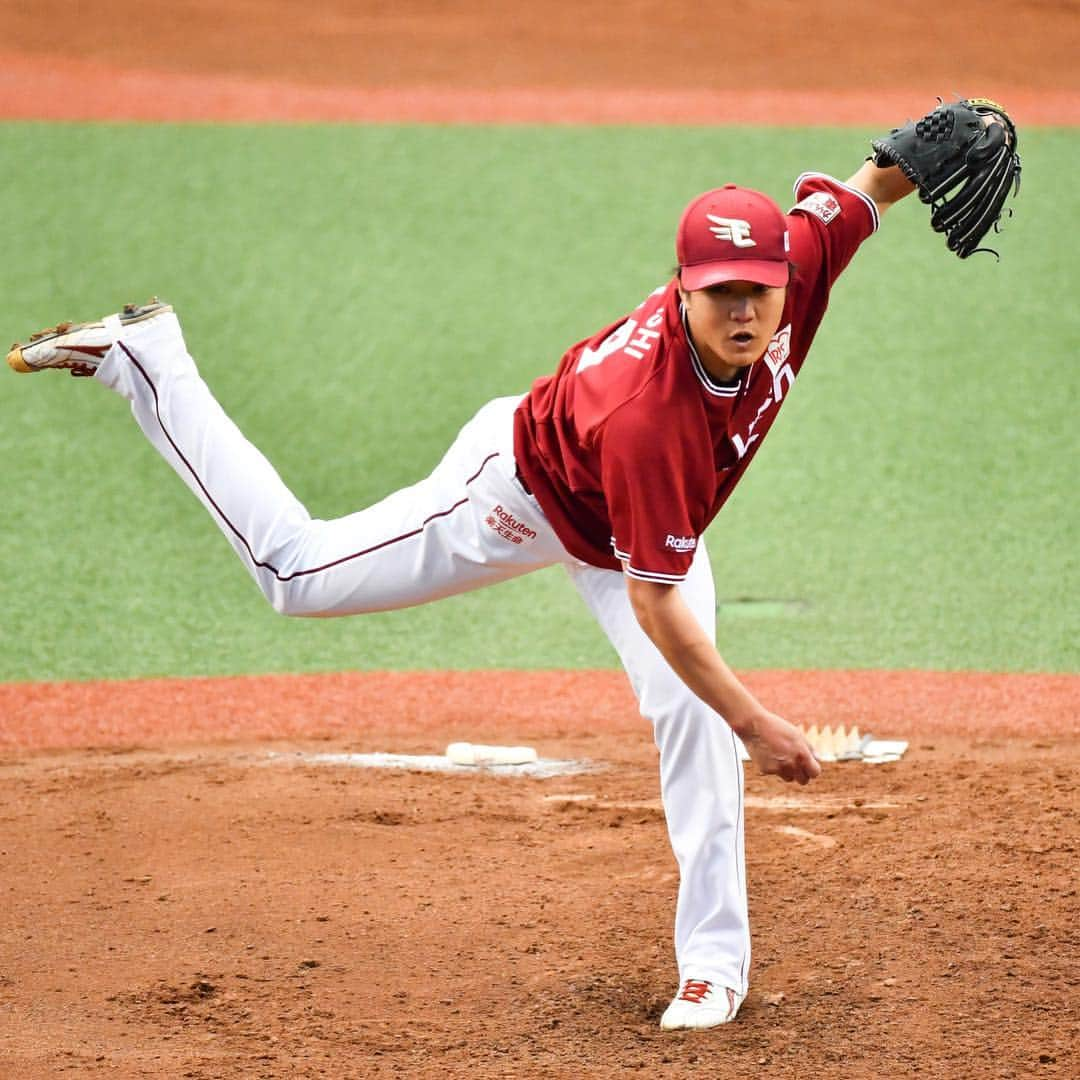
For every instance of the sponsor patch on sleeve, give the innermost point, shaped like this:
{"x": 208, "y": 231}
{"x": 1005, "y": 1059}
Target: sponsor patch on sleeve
{"x": 821, "y": 204}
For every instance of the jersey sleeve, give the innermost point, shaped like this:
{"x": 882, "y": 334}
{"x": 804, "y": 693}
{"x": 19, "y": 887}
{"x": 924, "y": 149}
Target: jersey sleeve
{"x": 648, "y": 476}
{"x": 827, "y": 224}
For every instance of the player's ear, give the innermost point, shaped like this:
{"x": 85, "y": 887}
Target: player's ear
{"x": 679, "y": 284}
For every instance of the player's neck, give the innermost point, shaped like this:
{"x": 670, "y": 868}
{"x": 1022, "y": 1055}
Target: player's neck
{"x": 718, "y": 370}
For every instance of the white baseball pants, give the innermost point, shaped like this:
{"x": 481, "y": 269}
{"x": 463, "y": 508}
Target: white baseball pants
{"x": 469, "y": 524}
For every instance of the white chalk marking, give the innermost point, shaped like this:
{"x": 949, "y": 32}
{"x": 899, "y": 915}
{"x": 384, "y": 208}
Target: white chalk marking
{"x": 542, "y": 767}
{"x": 802, "y": 834}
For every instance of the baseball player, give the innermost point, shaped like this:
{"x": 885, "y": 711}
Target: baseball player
{"x": 612, "y": 467}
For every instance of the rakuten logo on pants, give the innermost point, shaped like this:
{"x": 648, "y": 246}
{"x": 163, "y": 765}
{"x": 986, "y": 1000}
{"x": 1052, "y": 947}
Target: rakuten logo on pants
{"x": 508, "y": 526}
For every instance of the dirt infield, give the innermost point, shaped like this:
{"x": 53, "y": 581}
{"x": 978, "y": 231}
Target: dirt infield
{"x": 485, "y": 705}
{"x": 197, "y": 897}
{"x": 235, "y": 910}
{"x": 188, "y": 893}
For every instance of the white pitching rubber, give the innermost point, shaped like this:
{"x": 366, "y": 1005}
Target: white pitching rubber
{"x": 464, "y": 753}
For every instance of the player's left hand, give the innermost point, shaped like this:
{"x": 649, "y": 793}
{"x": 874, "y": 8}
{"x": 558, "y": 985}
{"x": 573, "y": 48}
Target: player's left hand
{"x": 962, "y": 158}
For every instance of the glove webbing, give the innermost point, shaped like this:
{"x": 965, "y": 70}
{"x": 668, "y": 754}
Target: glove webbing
{"x": 965, "y": 219}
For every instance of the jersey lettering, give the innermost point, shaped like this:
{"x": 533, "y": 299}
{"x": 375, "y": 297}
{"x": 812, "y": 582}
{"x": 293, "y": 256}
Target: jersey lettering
{"x": 642, "y": 342}
{"x": 776, "y": 359}
{"x": 634, "y": 340}
{"x": 615, "y": 341}
{"x": 742, "y": 445}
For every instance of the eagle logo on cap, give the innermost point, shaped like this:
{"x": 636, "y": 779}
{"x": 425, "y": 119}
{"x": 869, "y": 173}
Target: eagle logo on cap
{"x": 734, "y": 229}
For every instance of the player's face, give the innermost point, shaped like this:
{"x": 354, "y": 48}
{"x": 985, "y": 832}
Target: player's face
{"x": 732, "y": 323}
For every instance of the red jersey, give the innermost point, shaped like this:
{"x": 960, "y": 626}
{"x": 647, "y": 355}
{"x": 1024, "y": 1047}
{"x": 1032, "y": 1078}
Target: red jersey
{"x": 631, "y": 448}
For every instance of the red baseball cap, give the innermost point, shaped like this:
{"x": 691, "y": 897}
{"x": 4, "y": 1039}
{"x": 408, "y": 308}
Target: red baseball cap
{"x": 732, "y": 234}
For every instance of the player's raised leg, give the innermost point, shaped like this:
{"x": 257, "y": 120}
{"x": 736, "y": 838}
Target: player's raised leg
{"x": 701, "y": 781}
{"x": 467, "y": 525}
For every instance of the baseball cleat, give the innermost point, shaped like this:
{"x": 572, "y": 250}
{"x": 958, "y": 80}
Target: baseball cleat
{"x": 699, "y": 1004}
{"x": 79, "y": 347}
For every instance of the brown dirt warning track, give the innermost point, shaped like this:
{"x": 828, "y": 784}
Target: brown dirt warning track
{"x": 190, "y": 890}
{"x": 571, "y": 61}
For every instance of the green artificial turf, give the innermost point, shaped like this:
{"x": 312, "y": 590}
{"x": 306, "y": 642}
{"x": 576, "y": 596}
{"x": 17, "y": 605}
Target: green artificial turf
{"x": 353, "y": 294}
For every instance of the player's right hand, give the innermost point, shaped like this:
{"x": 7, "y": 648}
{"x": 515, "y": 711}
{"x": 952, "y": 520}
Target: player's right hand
{"x": 778, "y": 748}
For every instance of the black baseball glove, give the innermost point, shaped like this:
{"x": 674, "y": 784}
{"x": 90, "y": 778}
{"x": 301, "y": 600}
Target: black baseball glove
{"x": 962, "y": 165}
